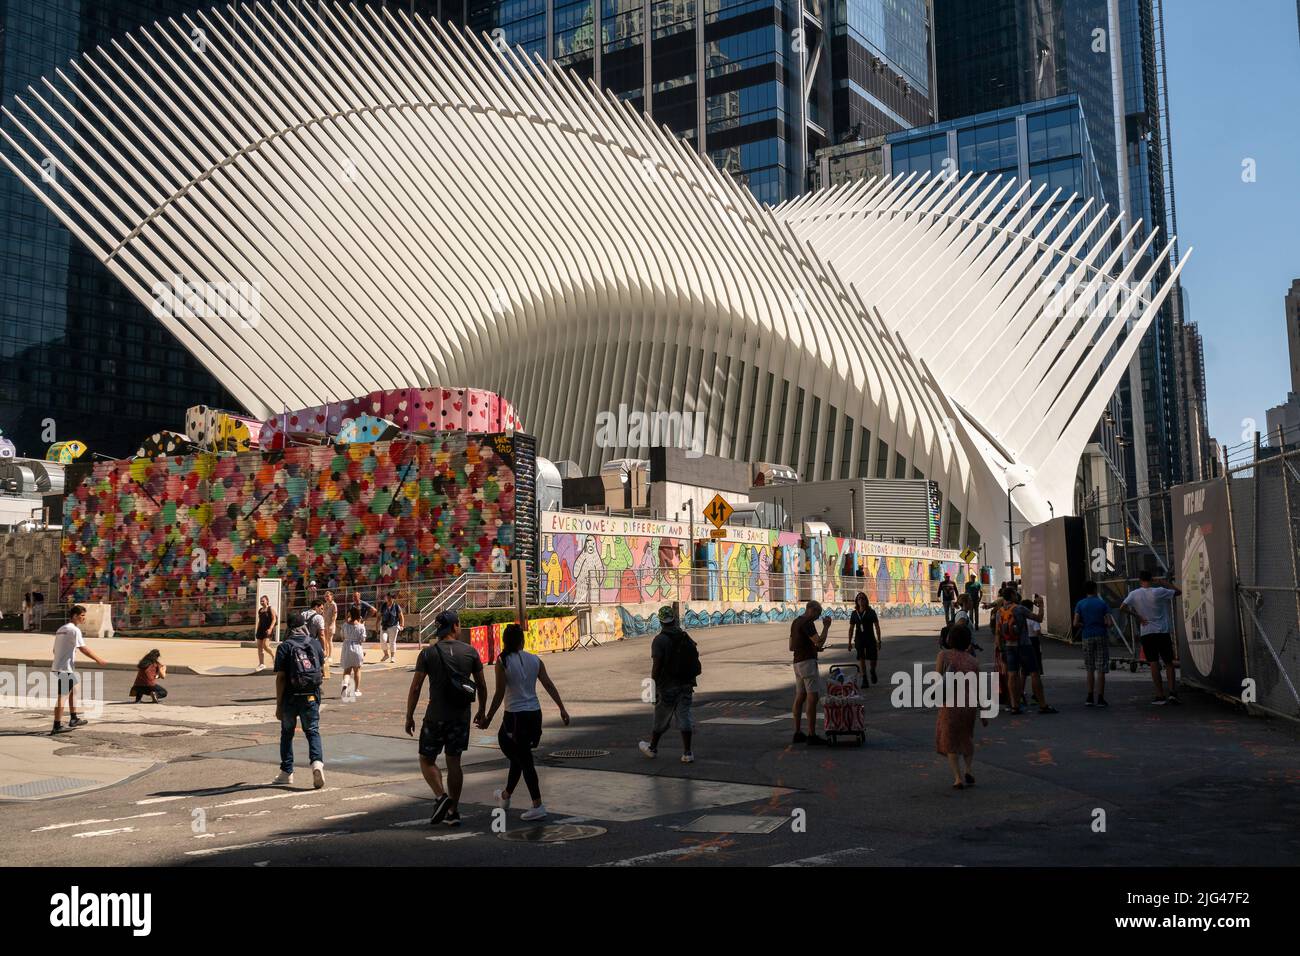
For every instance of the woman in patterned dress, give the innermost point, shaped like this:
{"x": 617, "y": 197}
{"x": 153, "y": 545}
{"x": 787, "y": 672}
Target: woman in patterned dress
{"x": 954, "y": 732}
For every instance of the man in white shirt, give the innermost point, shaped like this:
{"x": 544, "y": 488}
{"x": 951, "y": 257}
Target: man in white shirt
{"x": 1150, "y": 604}
{"x": 67, "y": 641}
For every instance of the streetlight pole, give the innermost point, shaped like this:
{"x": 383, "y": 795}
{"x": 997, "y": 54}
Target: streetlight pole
{"x": 1011, "y": 547}
{"x": 690, "y": 553}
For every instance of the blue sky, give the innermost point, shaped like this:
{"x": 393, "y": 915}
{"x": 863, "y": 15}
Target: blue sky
{"x": 1234, "y": 94}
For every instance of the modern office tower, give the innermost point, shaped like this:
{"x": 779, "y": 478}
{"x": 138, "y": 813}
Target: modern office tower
{"x": 1196, "y": 451}
{"x": 758, "y": 87}
{"x": 80, "y": 357}
{"x": 992, "y": 53}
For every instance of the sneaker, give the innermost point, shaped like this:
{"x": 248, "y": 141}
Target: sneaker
{"x": 645, "y": 748}
{"x": 259, "y": 668}
{"x": 282, "y": 778}
{"x": 799, "y": 737}
{"x": 440, "y": 807}
{"x": 1159, "y": 701}
{"x": 814, "y": 740}
{"x": 1174, "y": 700}
{"x": 452, "y": 819}
{"x": 1048, "y": 710}
{"x": 59, "y": 729}
{"x": 1088, "y": 702}
{"x": 688, "y": 758}
{"x": 1101, "y": 702}
{"x": 356, "y": 693}
{"x": 503, "y": 799}
{"x": 317, "y": 774}
{"x": 536, "y": 813}
{"x": 78, "y": 722}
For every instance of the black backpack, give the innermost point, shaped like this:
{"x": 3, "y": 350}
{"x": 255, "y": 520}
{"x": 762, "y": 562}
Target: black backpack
{"x": 303, "y": 672}
{"x": 460, "y": 690}
{"x": 684, "y": 659}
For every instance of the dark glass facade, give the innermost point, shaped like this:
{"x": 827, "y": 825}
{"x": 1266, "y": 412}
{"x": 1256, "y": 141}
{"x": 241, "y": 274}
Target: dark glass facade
{"x": 725, "y": 74}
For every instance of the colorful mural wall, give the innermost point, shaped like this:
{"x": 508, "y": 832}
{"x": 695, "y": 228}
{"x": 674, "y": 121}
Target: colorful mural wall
{"x": 173, "y": 530}
{"x": 542, "y": 636}
{"x": 614, "y": 560}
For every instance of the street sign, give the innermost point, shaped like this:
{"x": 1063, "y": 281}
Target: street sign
{"x": 968, "y": 556}
{"x": 718, "y": 533}
{"x": 718, "y": 511}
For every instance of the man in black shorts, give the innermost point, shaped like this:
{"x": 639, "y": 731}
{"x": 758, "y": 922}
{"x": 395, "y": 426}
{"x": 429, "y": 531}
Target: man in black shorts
{"x": 455, "y": 675}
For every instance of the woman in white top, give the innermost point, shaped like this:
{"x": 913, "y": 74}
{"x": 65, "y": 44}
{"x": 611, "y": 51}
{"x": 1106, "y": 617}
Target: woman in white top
{"x": 517, "y": 674}
{"x": 353, "y": 654}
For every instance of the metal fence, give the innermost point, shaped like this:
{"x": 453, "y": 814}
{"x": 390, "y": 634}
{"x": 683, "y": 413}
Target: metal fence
{"x": 1264, "y": 495}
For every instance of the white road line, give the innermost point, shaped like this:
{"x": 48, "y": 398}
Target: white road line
{"x": 448, "y": 837}
{"x": 274, "y": 796}
{"x": 306, "y": 806}
{"x": 282, "y": 841}
{"x": 423, "y": 821}
{"x": 237, "y": 816}
{"x": 145, "y": 803}
{"x": 83, "y": 823}
{"x": 344, "y": 816}
{"x": 367, "y": 796}
{"x": 99, "y": 833}
{"x": 663, "y": 855}
{"x": 836, "y": 858}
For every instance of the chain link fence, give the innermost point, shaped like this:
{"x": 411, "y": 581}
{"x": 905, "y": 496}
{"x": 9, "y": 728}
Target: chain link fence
{"x": 1264, "y": 495}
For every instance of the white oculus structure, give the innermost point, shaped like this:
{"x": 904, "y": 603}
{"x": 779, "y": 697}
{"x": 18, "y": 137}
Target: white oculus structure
{"x": 417, "y": 206}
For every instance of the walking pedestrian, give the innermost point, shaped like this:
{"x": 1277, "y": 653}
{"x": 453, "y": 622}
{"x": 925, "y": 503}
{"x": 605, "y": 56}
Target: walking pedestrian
{"x": 353, "y": 654}
{"x": 947, "y": 594}
{"x": 27, "y": 611}
{"x": 266, "y": 630}
{"x": 1018, "y": 653}
{"x": 67, "y": 641}
{"x": 315, "y": 619}
{"x": 674, "y": 666}
{"x": 1150, "y": 604}
{"x": 455, "y": 675}
{"x": 330, "y": 619}
{"x": 391, "y": 620}
{"x": 954, "y": 729}
{"x": 148, "y": 673}
{"x": 974, "y": 591}
{"x": 864, "y": 637}
{"x": 365, "y": 609}
{"x": 1093, "y": 621}
{"x": 804, "y": 644}
{"x": 298, "y": 675}
{"x": 517, "y": 675}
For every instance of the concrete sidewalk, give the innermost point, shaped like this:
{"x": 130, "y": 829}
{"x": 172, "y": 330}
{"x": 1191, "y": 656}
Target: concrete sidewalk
{"x": 201, "y": 658}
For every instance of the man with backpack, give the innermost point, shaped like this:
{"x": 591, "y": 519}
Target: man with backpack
{"x": 391, "y": 622}
{"x": 455, "y": 674}
{"x": 1018, "y": 652}
{"x": 675, "y": 663}
{"x": 299, "y": 669}
{"x": 315, "y": 620}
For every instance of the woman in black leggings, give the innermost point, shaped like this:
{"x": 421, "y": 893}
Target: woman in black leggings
{"x": 517, "y": 674}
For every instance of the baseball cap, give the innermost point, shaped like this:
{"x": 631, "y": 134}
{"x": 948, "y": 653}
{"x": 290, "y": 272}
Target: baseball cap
{"x": 446, "y": 622}
{"x": 667, "y": 615}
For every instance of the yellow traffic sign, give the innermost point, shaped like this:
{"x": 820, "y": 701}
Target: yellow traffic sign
{"x": 968, "y": 556}
{"x": 718, "y": 511}
{"x": 718, "y": 533}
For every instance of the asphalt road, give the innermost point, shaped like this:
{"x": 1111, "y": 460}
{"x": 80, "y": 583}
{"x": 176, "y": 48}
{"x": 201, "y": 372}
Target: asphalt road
{"x": 1198, "y": 784}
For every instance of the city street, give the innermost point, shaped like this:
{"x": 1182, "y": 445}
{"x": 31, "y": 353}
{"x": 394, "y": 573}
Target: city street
{"x": 1132, "y": 785}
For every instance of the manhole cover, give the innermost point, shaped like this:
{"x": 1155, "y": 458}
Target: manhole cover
{"x": 553, "y": 833}
{"x": 167, "y": 733}
{"x": 578, "y": 754}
